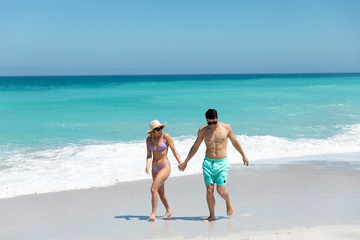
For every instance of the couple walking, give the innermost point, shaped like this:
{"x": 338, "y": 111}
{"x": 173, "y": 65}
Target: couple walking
{"x": 215, "y": 166}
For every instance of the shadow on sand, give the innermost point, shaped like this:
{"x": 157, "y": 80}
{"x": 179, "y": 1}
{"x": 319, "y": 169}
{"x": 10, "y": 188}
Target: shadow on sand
{"x": 146, "y": 218}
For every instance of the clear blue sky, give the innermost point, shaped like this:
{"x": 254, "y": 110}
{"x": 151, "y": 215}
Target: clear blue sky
{"x": 85, "y": 37}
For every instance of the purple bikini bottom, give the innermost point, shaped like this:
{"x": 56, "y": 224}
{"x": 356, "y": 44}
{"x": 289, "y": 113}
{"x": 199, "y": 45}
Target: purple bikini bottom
{"x": 157, "y": 169}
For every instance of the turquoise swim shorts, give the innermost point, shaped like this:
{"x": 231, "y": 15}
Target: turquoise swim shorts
{"x": 215, "y": 171}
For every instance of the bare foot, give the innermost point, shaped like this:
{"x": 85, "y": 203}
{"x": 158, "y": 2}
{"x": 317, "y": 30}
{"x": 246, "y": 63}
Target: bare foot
{"x": 229, "y": 209}
{"x": 209, "y": 219}
{"x": 168, "y": 214}
{"x": 152, "y": 217}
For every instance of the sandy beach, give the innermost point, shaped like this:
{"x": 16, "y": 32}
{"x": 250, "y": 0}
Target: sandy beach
{"x": 310, "y": 200}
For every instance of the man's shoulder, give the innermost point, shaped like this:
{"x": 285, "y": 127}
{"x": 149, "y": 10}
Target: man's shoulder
{"x": 226, "y": 126}
{"x": 202, "y": 128}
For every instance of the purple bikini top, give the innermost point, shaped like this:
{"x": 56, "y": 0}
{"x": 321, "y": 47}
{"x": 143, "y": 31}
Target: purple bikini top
{"x": 162, "y": 146}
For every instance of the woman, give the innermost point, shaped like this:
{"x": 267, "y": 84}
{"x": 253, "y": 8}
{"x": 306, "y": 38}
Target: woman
{"x": 158, "y": 143}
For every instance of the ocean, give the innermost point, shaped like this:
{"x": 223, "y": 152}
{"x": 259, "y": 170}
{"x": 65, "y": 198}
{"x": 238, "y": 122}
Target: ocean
{"x": 75, "y": 132}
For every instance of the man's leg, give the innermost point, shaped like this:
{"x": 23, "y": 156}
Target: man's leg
{"x": 225, "y": 195}
{"x": 211, "y": 202}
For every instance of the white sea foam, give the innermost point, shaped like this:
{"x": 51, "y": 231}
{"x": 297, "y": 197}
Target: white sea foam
{"x": 77, "y": 167}
{"x": 265, "y": 148}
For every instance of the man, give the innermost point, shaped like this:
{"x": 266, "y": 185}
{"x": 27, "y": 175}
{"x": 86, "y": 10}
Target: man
{"x": 216, "y": 165}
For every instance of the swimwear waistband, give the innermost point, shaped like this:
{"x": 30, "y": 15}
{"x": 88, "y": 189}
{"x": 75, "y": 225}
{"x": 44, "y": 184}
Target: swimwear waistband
{"x": 216, "y": 160}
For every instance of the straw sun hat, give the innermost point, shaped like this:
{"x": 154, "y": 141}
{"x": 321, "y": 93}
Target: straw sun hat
{"x": 155, "y": 124}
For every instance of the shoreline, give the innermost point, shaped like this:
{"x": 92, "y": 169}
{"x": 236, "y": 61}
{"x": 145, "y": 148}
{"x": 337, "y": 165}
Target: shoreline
{"x": 265, "y": 198}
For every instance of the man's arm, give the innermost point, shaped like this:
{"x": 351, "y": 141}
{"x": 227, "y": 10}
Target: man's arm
{"x": 193, "y": 150}
{"x": 237, "y": 146}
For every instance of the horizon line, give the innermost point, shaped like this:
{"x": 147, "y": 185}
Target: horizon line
{"x": 178, "y": 74}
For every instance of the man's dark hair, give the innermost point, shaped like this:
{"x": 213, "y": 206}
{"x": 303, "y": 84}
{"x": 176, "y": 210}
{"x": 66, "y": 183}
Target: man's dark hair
{"x": 211, "y": 114}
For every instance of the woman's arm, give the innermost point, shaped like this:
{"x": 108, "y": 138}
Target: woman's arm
{"x": 148, "y": 156}
{"x": 171, "y": 144}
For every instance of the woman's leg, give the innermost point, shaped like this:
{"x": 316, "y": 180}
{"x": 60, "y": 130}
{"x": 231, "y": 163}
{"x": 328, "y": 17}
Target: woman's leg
{"x": 164, "y": 200}
{"x": 158, "y": 181}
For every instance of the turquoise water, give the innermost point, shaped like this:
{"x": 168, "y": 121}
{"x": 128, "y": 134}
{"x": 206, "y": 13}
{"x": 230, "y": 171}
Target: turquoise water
{"x": 63, "y": 133}
{"x": 47, "y": 111}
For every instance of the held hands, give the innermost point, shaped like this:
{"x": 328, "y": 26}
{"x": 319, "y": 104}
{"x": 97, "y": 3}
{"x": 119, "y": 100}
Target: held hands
{"x": 182, "y": 166}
